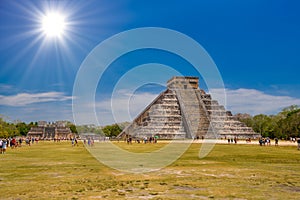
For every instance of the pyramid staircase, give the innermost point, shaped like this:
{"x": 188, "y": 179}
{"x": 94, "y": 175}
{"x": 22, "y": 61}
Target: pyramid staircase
{"x": 185, "y": 111}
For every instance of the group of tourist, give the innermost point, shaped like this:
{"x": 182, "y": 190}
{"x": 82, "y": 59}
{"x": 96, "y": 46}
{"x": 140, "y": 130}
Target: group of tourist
{"x": 15, "y": 142}
{"x": 150, "y": 140}
{"x": 89, "y": 141}
{"x": 32, "y": 140}
{"x": 293, "y": 139}
{"x": 145, "y": 140}
{"x": 231, "y": 140}
{"x": 9, "y": 142}
{"x": 265, "y": 141}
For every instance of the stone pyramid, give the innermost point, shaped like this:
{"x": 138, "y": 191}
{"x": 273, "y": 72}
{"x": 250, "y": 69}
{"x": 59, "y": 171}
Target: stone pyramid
{"x": 185, "y": 111}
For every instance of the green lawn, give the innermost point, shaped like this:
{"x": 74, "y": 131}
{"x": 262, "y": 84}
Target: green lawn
{"x": 51, "y": 170}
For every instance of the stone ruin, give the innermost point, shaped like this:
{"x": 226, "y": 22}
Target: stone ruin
{"x": 185, "y": 111}
{"x": 46, "y": 130}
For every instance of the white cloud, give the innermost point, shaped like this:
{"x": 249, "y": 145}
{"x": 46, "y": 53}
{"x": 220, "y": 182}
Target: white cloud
{"x": 5, "y": 87}
{"x": 124, "y": 106}
{"x": 50, "y": 111}
{"x": 254, "y": 101}
{"x": 23, "y": 99}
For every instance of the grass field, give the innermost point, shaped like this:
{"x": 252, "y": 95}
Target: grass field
{"x": 51, "y": 170}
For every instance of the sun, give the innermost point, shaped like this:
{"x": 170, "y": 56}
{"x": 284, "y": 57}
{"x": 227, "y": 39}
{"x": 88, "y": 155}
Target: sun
{"x": 53, "y": 24}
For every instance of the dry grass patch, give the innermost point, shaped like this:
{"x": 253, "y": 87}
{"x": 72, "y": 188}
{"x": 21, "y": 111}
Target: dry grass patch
{"x": 51, "y": 170}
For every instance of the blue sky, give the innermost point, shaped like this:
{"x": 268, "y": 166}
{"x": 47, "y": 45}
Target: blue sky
{"x": 255, "y": 45}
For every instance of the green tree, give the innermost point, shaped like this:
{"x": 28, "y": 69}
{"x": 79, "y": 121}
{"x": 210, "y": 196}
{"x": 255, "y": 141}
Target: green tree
{"x": 73, "y": 128}
{"x": 262, "y": 124}
{"x": 289, "y": 123}
{"x": 112, "y": 130}
{"x": 23, "y": 128}
{"x": 7, "y": 129}
{"x": 245, "y": 118}
{"x": 89, "y": 129}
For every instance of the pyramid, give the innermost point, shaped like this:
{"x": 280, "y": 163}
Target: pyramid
{"x": 184, "y": 111}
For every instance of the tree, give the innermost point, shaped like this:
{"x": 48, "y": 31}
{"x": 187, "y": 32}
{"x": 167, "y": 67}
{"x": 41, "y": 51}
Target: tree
{"x": 112, "y": 130}
{"x": 73, "y": 128}
{"x": 23, "y": 128}
{"x": 261, "y": 124}
{"x": 245, "y": 118}
{"x": 289, "y": 123}
{"x": 283, "y": 125}
{"x": 89, "y": 129}
{"x": 7, "y": 129}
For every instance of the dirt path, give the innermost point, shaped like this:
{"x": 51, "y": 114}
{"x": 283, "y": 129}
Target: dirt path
{"x": 253, "y": 142}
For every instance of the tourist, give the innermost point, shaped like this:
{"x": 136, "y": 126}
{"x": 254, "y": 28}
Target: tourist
{"x": 150, "y": 139}
{"x": 129, "y": 140}
{"x": 145, "y": 139}
{"x": 261, "y": 141}
{"x": 20, "y": 141}
{"x": 4, "y": 143}
{"x": 27, "y": 141}
{"x": 73, "y": 142}
{"x": 155, "y": 139}
{"x": 13, "y": 143}
{"x": 298, "y": 141}
{"x": 8, "y": 142}
{"x": 276, "y": 141}
{"x": 1, "y": 143}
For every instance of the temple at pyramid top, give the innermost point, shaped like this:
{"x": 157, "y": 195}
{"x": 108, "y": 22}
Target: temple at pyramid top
{"x": 180, "y": 82}
{"x": 185, "y": 111}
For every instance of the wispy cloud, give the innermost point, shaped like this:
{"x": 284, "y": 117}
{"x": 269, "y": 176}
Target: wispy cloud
{"x": 23, "y": 99}
{"x": 124, "y": 106}
{"x": 4, "y": 87}
{"x": 253, "y": 101}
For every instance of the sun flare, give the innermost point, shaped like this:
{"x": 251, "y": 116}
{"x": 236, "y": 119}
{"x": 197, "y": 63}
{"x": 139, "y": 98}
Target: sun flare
{"x": 53, "y": 25}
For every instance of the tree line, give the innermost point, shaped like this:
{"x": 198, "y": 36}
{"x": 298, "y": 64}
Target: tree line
{"x": 18, "y": 128}
{"x": 112, "y": 130}
{"x": 284, "y": 125}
